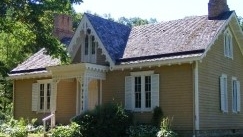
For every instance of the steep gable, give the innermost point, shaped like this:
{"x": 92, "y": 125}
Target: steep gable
{"x": 113, "y": 35}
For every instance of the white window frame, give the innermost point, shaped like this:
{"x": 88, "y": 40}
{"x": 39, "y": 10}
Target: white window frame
{"x": 223, "y": 93}
{"x": 143, "y": 108}
{"x": 45, "y": 82}
{"x": 228, "y": 44}
{"x": 89, "y": 54}
{"x": 236, "y": 95}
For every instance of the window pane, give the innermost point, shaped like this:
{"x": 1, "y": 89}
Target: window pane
{"x": 86, "y": 47}
{"x": 48, "y": 96}
{"x": 42, "y": 94}
{"x": 93, "y": 45}
{"x": 147, "y": 91}
{"x": 137, "y": 92}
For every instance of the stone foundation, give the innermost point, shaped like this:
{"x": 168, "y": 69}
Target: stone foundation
{"x": 212, "y": 133}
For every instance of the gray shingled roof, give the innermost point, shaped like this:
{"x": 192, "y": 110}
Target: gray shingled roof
{"x": 151, "y": 42}
{"x": 113, "y": 35}
{"x": 37, "y": 62}
{"x": 188, "y": 34}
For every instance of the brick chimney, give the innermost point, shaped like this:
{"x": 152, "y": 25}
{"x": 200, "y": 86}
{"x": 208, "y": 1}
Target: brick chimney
{"x": 217, "y": 8}
{"x": 62, "y": 26}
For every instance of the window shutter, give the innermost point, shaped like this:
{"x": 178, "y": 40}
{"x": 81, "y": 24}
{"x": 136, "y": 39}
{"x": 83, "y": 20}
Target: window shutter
{"x": 238, "y": 96}
{"x": 222, "y": 94}
{"x": 53, "y": 96}
{"x": 155, "y": 90}
{"x": 35, "y": 96}
{"x": 128, "y": 93}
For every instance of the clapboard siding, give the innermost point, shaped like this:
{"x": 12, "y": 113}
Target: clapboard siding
{"x": 210, "y": 69}
{"x": 175, "y": 93}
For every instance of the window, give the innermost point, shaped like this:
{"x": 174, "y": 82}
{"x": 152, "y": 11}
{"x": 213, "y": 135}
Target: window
{"x": 89, "y": 49}
{"x": 228, "y": 45}
{"x": 41, "y": 96}
{"x": 223, "y": 93}
{"x": 142, "y": 91}
{"x": 235, "y": 95}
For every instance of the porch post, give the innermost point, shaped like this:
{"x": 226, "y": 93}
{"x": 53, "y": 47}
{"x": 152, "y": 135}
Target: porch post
{"x": 85, "y": 87}
{"x": 54, "y": 100}
{"x": 78, "y": 95}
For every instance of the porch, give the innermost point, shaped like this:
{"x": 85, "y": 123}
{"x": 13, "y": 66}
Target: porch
{"x": 85, "y": 80}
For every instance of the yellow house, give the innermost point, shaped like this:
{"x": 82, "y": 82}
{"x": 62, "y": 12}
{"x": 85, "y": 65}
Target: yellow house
{"x": 191, "y": 68}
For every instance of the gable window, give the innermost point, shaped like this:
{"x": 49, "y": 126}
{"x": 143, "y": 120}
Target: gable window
{"x": 41, "y": 96}
{"x": 235, "y": 95}
{"x": 142, "y": 91}
{"x": 223, "y": 93}
{"x": 228, "y": 44}
{"x": 89, "y": 49}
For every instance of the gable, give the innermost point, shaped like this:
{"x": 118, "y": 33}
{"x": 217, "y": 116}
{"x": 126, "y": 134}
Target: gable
{"x": 111, "y": 36}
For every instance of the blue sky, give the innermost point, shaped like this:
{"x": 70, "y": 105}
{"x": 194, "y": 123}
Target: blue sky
{"x": 162, "y": 10}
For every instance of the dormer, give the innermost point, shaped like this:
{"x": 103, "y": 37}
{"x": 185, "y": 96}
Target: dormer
{"x": 98, "y": 41}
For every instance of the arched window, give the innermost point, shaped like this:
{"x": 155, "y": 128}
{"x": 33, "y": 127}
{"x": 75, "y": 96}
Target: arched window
{"x": 228, "y": 44}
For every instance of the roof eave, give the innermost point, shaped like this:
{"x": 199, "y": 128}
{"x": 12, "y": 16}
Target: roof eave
{"x": 160, "y": 63}
{"x": 29, "y": 75}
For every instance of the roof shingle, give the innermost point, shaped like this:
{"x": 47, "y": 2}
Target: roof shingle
{"x": 113, "y": 35}
{"x": 188, "y": 34}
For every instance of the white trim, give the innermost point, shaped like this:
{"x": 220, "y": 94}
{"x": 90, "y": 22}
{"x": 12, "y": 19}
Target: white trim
{"x": 44, "y": 81}
{"x": 216, "y": 37}
{"x": 29, "y": 75}
{"x": 77, "y": 96}
{"x": 101, "y": 92}
{"x": 141, "y": 73}
{"x": 196, "y": 94}
{"x": 159, "y": 63}
{"x": 228, "y": 49}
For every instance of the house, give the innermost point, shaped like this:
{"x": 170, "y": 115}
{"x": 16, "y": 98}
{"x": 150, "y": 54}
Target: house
{"x": 191, "y": 68}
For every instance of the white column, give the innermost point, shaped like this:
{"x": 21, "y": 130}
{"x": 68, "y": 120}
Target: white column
{"x": 53, "y": 101}
{"x": 85, "y": 88}
{"x": 78, "y": 95}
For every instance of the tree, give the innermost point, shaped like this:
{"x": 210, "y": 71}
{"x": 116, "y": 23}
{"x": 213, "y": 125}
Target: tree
{"x": 240, "y": 19}
{"x": 26, "y": 26}
{"x": 135, "y": 21}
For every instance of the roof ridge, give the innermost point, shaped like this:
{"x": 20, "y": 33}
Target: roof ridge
{"x": 96, "y": 16}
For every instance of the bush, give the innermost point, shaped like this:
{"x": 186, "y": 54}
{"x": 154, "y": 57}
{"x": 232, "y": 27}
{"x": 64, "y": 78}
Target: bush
{"x": 142, "y": 131}
{"x": 165, "y": 129}
{"x": 108, "y": 120}
{"x": 72, "y": 130}
{"x": 19, "y": 128}
{"x": 157, "y": 116}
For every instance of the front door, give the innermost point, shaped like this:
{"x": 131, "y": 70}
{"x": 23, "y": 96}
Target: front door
{"x": 93, "y": 94}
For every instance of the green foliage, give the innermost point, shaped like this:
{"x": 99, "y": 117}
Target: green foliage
{"x": 142, "y": 131}
{"x": 157, "y": 116}
{"x": 165, "y": 128}
{"x": 240, "y": 20}
{"x": 72, "y": 130}
{"x": 20, "y": 128}
{"x": 135, "y": 21}
{"x": 108, "y": 120}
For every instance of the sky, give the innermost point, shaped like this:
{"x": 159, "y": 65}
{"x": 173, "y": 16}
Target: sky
{"x": 162, "y": 10}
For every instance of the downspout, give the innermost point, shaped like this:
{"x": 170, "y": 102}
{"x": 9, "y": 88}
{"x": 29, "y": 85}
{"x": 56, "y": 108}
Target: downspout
{"x": 195, "y": 100}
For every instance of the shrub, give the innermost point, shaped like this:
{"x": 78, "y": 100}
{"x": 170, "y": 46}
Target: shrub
{"x": 72, "y": 130}
{"x": 19, "y": 128}
{"x": 157, "y": 116}
{"x": 108, "y": 120}
{"x": 142, "y": 131}
{"x": 165, "y": 128}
